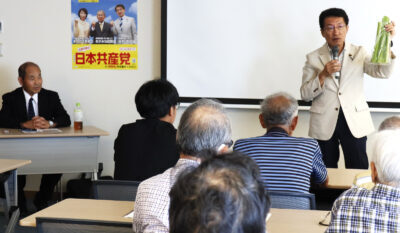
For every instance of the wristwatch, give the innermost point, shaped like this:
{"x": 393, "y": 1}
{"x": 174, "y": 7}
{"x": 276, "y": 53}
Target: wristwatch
{"x": 51, "y": 123}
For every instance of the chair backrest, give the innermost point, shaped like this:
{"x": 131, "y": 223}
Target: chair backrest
{"x": 57, "y": 225}
{"x": 292, "y": 200}
{"x": 123, "y": 190}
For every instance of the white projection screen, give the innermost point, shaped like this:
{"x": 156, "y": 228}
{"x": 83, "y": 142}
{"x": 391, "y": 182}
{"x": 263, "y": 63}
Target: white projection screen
{"x": 242, "y": 51}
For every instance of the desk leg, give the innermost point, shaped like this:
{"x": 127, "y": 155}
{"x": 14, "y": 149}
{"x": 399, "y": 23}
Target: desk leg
{"x": 12, "y": 184}
{"x": 11, "y": 192}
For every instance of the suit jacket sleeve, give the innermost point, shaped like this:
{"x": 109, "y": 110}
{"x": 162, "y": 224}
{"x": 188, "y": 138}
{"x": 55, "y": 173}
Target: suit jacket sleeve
{"x": 133, "y": 28}
{"x": 93, "y": 32}
{"x": 7, "y": 118}
{"x": 114, "y": 28}
{"x": 58, "y": 113}
{"x": 310, "y": 87}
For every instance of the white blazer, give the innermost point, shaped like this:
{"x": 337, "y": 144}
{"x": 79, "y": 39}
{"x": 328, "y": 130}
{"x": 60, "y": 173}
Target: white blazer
{"x": 349, "y": 94}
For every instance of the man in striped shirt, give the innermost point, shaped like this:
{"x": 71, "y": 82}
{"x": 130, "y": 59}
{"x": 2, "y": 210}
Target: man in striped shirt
{"x": 287, "y": 164}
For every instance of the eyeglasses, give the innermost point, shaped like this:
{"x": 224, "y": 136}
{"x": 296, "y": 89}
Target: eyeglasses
{"x": 339, "y": 27}
{"x": 229, "y": 144}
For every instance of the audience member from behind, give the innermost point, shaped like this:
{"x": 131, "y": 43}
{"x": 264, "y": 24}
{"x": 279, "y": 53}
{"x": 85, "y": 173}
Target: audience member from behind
{"x": 364, "y": 179}
{"x": 148, "y": 147}
{"x": 224, "y": 194}
{"x": 378, "y": 209}
{"x": 287, "y": 163}
{"x": 392, "y": 122}
{"x": 33, "y": 107}
{"x": 204, "y": 127}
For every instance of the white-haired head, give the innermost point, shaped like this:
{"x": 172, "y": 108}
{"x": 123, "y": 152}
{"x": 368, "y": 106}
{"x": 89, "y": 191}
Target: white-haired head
{"x": 386, "y": 157}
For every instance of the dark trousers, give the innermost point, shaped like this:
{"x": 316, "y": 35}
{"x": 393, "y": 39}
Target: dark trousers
{"x": 47, "y": 184}
{"x": 354, "y": 149}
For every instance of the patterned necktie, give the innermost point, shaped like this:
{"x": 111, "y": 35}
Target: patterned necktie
{"x": 31, "y": 112}
{"x": 120, "y": 24}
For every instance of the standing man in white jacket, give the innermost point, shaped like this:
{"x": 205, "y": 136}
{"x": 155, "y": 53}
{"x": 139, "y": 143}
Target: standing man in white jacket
{"x": 339, "y": 113}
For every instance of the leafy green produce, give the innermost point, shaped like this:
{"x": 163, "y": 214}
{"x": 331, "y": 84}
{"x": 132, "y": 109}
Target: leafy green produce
{"x": 382, "y": 45}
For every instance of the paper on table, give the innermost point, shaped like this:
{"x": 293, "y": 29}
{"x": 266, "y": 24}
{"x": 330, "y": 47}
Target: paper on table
{"x": 129, "y": 215}
{"x": 52, "y": 130}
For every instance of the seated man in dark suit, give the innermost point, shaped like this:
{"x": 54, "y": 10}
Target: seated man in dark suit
{"x": 101, "y": 30}
{"x": 147, "y": 147}
{"x": 33, "y": 107}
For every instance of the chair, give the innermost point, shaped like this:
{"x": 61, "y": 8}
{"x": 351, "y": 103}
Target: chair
{"x": 122, "y": 190}
{"x": 58, "y": 225}
{"x": 292, "y": 200}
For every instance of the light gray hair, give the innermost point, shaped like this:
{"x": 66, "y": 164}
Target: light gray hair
{"x": 204, "y": 126}
{"x": 279, "y": 109}
{"x": 102, "y": 11}
{"x": 390, "y": 123}
{"x": 386, "y": 156}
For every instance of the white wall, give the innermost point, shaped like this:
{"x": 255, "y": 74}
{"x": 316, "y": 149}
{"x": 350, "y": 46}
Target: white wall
{"x": 40, "y": 31}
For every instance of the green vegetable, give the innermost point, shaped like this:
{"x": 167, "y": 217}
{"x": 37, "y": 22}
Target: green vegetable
{"x": 382, "y": 45}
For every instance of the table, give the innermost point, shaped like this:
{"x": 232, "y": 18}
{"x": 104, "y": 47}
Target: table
{"x": 295, "y": 221}
{"x": 282, "y": 220}
{"x": 340, "y": 178}
{"x": 12, "y": 165}
{"x": 70, "y": 151}
{"x": 87, "y": 209}
{"x": 10, "y": 185}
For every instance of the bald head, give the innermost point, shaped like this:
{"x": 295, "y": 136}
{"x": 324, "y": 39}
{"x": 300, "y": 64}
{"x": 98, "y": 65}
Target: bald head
{"x": 390, "y": 123}
{"x": 278, "y": 109}
{"x": 204, "y": 126}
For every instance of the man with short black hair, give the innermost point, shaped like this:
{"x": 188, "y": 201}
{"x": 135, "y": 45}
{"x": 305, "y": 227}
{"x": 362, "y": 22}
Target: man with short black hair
{"x": 224, "y": 194}
{"x": 339, "y": 113}
{"x": 147, "y": 147}
{"x": 33, "y": 107}
{"x": 287, "y": 164}
{"x": 204, "y": 127}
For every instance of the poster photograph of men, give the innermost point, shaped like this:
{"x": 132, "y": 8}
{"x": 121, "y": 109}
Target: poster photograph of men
{"x": 104, "y": 34}
{"x": 104, "y": 22}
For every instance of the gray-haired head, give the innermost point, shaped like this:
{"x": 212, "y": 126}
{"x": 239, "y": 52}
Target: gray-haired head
{"x": 386, "y": 156}
{"x": 390, "y": 123}
{"x": 279, "y": 109}
{"x": 204, "y": 126}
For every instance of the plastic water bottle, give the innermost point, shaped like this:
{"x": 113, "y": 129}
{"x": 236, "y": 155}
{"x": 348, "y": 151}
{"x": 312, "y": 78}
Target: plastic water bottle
{"x": 78, "y": 117}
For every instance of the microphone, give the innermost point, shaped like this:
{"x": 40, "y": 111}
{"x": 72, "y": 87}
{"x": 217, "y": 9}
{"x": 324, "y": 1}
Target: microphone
{"x": 335, "y": 55}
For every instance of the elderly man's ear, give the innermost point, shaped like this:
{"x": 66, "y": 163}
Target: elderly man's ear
{"x": 374, "y": 173}
{"x": 293, "y": 124}
{"x": 261, "y": 118}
